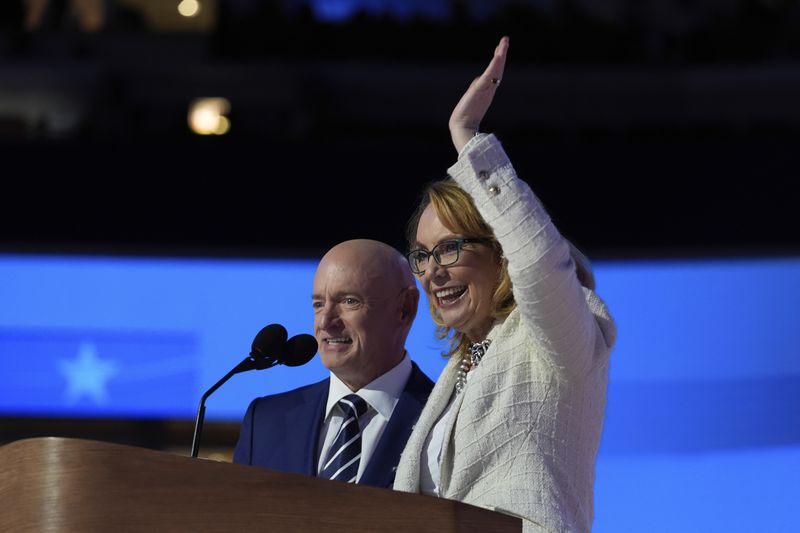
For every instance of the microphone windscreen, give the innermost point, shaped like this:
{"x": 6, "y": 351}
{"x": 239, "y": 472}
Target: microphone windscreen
{"x": 269, "y": 342}
{"x": 300, "y": 349}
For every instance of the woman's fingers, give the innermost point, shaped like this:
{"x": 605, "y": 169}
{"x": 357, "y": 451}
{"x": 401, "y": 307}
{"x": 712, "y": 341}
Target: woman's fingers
{"x": 494, "y": 72}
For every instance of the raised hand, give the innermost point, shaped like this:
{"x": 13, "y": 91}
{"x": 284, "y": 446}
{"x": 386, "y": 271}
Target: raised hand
{"x": 470, "y": 110}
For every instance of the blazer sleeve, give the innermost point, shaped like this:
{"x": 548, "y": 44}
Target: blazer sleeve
{"x": 552, "y": 303}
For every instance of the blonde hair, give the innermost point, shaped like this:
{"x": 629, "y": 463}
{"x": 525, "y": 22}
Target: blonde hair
{"x": 458, "y": 213}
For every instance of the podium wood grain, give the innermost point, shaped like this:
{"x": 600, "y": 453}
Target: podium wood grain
{"x": 73, "y": 485}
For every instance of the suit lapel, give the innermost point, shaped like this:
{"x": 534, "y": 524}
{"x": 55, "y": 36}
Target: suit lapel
{"x": 303, "y": 424}
{"x": 380, "y": 471}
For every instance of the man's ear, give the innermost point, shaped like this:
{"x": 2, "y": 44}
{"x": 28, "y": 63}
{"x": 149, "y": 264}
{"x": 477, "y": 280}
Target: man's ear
{"x": 409, "y": 304}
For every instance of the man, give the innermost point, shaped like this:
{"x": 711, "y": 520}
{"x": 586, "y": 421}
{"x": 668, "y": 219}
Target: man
{"x": 365, "y": 300}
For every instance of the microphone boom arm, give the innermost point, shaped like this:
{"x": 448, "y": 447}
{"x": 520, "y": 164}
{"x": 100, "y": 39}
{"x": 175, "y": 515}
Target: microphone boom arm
{"x": 248, "y": 363}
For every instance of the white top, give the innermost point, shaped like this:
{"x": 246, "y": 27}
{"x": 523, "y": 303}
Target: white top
{"x": 432, "y": 452}
{"x": 381, "y": 395}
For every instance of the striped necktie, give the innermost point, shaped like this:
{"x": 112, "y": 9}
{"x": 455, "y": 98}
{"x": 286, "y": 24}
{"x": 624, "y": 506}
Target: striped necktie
{"x": 345, "y": 452}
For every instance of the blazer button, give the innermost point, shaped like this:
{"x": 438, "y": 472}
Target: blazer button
{"x": 494, "y": 190}
{"x": 483, "y": 175}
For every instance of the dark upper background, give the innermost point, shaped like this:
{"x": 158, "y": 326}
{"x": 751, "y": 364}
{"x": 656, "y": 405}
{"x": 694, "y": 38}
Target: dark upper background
{"x": 647, "y": 127}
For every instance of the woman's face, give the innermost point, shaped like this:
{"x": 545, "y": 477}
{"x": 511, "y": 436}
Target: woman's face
{"x": 462, "y": 292}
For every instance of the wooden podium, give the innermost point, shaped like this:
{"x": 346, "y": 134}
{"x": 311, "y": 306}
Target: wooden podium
{"x": 74, "y": 485}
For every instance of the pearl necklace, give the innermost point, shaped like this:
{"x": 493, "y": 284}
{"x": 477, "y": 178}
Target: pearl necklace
{"x": 476, "y": 353}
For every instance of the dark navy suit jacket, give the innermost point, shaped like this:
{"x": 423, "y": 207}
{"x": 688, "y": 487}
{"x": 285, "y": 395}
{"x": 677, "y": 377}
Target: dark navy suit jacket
{"x": 282, "y": 431}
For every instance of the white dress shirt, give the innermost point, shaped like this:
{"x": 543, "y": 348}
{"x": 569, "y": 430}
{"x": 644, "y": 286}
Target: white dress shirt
{"x": 381, "y": 395}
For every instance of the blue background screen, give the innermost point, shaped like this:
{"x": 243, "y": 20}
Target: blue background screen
{"x": 702, "y": 429}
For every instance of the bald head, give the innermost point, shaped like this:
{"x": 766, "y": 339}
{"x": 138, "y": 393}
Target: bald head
{"x": 365, "y": 300}
{"x": 375, "y": 260}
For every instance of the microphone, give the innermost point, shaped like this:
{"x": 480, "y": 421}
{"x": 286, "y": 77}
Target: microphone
{"x": 300, "y": 349}
{"x": 269, "y": 343}
{"x": 269, "y": 348}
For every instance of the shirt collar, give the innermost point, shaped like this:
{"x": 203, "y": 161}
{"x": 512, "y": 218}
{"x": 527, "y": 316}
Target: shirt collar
{"x": 382, "y": 394}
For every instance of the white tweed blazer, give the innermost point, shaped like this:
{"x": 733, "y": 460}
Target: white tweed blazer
{"x": 524, "y": 433}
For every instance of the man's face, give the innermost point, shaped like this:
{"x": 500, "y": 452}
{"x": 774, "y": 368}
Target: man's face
{"x": 357, "y": 319}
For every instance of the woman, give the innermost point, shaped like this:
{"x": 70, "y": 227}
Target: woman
{"x": 514, "y": 421}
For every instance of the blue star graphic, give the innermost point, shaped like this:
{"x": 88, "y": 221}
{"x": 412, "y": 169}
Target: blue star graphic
{"x": 87, "y": 375}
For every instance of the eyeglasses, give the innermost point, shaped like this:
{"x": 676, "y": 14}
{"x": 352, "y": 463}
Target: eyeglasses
{"x": 445, "y": 253}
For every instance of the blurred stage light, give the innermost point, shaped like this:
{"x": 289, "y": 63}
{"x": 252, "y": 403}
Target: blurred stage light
{"x": 189, "y": 8}
{"x": 207, "y": 116}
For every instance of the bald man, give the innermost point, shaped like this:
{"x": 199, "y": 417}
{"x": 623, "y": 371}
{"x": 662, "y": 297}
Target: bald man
{"x": 364, "y": 299}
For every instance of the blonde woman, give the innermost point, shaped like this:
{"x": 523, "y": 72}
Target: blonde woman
{"x": 514, "y": 420}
